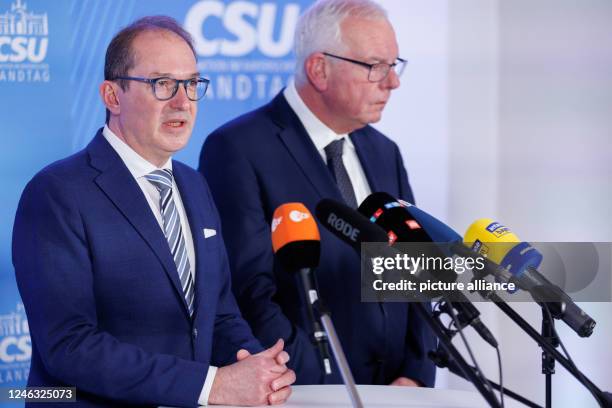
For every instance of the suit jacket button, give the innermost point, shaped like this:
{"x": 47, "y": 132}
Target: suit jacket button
{"x": 195, "y": 333}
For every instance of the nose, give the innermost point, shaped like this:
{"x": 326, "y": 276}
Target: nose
{"x": 391, "y": 81}
{"x": 180, "y": 100}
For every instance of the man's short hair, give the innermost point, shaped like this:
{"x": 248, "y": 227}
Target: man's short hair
{"x": 318, "y": 29}
{"x": 119, "y": 54}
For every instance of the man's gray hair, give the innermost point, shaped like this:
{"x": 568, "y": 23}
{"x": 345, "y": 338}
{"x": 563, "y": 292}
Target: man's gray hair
{"x": 318, "y": 29}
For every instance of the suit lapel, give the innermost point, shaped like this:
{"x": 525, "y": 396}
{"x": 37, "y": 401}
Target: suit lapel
{"x": 365, "y": 152}
{"x": 120, "y": 187}
{"x": 300, "y": 146}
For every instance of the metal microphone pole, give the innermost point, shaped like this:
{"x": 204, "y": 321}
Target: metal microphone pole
{"x": 318, "y": 335}
{"x": 343, "y": 366}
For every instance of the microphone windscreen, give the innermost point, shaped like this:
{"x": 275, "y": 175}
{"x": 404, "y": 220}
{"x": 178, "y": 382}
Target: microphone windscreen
{"x": 295, "y": 237}
{"x": 437, "y": 230}
{"x": 376, "y": 203}
{"x": 348, "y": 224}
{"x": 402, "y": 227}
{"x": 387, "y": 212}
{"x": 500, "y": 245}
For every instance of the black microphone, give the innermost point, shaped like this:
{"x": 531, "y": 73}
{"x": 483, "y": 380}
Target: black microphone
{"x": 384, "y": 210}
{"x": 388, "y": 213}
{"x": 297, "y": 245}
{"x": 354, "y": 228}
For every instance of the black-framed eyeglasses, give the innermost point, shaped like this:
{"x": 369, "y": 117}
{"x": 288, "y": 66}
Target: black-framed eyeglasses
{"x": 164, "y": 88}
{"x": 378, "y": 71}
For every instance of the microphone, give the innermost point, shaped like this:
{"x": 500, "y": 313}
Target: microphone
{"x": 297, "y": 245}
{"x": 388, "y": 213}
{"x": 532, "y": 281}
{"x": 520, "y": 260}
{"x": 439, "y": 231}
{"x": 384, "y": 210}
{"x": 353, "y": 228}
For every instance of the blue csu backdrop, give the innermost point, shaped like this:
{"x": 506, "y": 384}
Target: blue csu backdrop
{"x": 51, "y": 63}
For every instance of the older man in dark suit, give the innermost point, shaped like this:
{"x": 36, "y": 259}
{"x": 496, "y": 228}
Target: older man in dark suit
{"x": 313, "y": 141}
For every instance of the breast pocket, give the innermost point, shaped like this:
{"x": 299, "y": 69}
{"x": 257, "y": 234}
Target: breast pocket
{"x": 211, "y": 239}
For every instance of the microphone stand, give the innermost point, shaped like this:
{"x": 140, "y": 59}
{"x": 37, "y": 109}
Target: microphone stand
{"x": 548, "y": 361}
{"x": 550, "y": 350}
{"x": 604, "y": 398}
{"x": 347, "y": 376}
{"x": 442, "y": 360}
{"x": 318, "y": 335}
{"x": 468, "y": 371}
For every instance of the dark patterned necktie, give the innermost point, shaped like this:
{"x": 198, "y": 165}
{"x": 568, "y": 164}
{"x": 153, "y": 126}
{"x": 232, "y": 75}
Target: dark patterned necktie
{"x": 333, "y": 151}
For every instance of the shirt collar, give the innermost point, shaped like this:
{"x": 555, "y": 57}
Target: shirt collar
{"x": 320, "y": 134}
{"x": 136, "y": 164}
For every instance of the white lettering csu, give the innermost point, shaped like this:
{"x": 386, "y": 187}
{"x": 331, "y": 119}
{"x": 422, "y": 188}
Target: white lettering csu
{"x": 250, "y": 25}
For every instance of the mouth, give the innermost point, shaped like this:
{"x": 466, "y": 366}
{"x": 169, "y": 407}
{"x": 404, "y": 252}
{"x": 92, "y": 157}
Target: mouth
{"x": 380, "y": 105}
{"x": 175, "y": 123}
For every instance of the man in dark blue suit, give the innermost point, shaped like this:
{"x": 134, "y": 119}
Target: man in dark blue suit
{"x": 119, "y": 256}
{"x": 313, "y": 141}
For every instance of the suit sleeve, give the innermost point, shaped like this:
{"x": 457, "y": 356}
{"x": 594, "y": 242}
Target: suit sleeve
{"x": 236, "y": 191}
{"x": 420, "y": 339}
{"x": 55, "y": 278}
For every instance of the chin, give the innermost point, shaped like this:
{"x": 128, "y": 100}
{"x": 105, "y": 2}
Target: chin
{"x": 374, "y": 118}
{"x": 176, "y": 143}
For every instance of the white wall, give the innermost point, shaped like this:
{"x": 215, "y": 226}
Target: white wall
{"x": 415, "y": 116}
{"x": 505, "y": 111}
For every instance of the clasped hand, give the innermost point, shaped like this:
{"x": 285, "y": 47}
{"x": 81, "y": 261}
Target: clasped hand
{"x": 255, "y": 379}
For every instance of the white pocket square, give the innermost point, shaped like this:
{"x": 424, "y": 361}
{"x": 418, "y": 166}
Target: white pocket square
{"x": 209, "y": 232}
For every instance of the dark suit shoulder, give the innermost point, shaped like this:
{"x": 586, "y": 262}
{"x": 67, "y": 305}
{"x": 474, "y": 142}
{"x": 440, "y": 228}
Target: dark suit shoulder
{"x": 248, "y": 126}
{"x": 67, "y": 172}
{"x": 194, "y": 183}
{"x": 67, "y": 166}
{"x": 377, "y": 137}
{"x": 186, "y": 170}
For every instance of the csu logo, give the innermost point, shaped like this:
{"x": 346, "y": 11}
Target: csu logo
{"x": 23, "y": 45}
{"x": 23, "y": 35}
{"x": 15, "y": 344}
{"x": 247, "y": 26}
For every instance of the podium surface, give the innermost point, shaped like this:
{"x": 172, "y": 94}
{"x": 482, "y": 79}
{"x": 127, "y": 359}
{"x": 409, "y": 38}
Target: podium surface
{"x": 378, "y": 396}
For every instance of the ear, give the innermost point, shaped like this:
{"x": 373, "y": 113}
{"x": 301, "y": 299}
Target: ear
{"x": 109, "y": 94}
{"x": 316, "y": 67}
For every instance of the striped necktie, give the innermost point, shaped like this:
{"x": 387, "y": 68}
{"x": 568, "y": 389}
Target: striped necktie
{"x": 162, "y": 180}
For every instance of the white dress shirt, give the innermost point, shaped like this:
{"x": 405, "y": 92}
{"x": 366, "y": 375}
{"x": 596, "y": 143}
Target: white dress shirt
{"x": 139, "y": 168}
{"x": 321, "y": 136}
